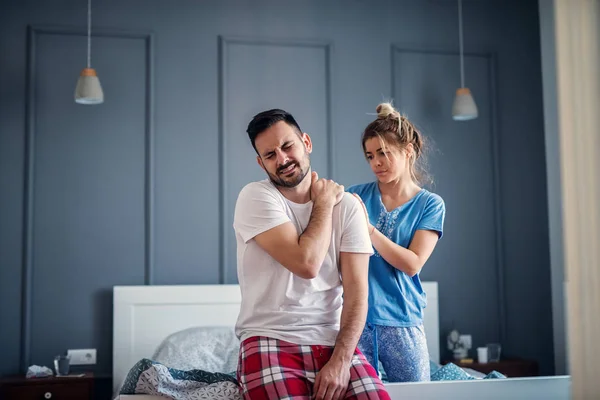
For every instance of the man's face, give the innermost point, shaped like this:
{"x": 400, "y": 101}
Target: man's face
{"x": 284, "y": 154}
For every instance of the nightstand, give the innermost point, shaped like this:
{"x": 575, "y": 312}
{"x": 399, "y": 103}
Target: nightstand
{"x": 511, "y": 367}
{"x": 49, "y": 388}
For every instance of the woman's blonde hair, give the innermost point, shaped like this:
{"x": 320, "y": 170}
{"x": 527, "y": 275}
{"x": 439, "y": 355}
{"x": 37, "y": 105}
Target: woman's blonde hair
{"x": 394, "y": 129}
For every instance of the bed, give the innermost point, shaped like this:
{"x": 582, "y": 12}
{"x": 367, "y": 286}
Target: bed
{"x": 145, "y": 317}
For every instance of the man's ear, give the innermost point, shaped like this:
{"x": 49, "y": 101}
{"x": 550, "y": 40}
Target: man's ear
{"x": 307, "y": 142}
{"x": 259, "y": 161}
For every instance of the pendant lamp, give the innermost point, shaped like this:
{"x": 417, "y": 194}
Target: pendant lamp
{"x": 89, "y": 90}
{"x": 464, "y": 107}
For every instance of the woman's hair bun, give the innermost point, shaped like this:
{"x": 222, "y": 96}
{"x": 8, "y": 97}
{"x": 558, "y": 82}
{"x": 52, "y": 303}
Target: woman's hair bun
{"x": 385, "y": 110}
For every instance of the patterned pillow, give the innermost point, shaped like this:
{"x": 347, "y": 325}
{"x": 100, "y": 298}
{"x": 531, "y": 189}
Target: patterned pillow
{"x": 494, "y": 375}
{"x": 433, "y": 367}
{"x": 450, "y": 372}
{"x": 152, "y": 378}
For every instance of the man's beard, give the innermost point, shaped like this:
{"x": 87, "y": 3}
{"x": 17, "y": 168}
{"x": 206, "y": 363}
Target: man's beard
{"x": 294, "y": 181}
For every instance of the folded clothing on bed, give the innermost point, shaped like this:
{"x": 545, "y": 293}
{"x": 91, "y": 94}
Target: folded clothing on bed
{"x": 153, "y": 378}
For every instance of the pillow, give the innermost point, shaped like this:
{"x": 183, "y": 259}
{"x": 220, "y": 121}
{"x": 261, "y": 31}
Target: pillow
{"x": 473, "y": 373}
{"x": 212, "y": 349}
{"x": 152, "y": 378}
{"x": 433, "y": 367}
{"x": 450, "y": 372}
{"x": 494, "y": 375}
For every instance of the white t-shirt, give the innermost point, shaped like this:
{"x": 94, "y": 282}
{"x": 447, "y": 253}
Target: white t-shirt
{"x": 275, "y": 302}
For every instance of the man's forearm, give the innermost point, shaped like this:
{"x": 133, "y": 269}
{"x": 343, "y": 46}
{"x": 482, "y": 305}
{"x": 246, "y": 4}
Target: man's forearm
{"x": 354, "y": 315}
{"x": 315, "y": 239}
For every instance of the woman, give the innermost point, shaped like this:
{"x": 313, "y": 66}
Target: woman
{"x": 405, "y": 224}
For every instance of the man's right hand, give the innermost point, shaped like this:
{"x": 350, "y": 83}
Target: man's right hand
{"x": 325, "y": 191}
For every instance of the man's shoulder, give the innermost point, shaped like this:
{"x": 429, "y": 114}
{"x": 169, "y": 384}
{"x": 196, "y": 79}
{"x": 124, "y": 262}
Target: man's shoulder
{"x": 348, "y": 201}
{"x": 257, "y": 188}
{"x": 257, "y": 203}
{"x": 348, "y": 204}
{"x": 257, "y": 196}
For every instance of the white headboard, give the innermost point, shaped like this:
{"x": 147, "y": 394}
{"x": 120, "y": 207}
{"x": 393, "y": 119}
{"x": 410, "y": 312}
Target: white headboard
{"x": 143, "y": 316}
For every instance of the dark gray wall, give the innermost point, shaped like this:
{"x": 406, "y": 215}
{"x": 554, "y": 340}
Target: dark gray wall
{"x": 140, "y": 190}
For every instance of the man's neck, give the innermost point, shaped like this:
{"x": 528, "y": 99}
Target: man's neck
{"x": 299, "y": 194}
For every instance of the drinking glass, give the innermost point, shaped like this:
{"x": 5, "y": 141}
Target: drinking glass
{"x": 61, "y": 365}
{"x": 494, "y": 350}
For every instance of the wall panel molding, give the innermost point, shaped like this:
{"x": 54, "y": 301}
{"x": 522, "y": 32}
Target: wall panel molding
{"x": 223, "y": 43}
{"x": 33, "y": 32}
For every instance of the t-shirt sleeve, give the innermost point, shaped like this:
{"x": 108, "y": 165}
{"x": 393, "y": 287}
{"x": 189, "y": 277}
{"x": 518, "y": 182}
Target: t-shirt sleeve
{"x": 256, "y": 211}
{"x": 355, "y": 233}
{"x": 433, "y": 215}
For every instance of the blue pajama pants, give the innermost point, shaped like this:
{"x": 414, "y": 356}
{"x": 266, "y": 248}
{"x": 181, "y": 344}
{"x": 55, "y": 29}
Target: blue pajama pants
{"x": 401, "y": 350}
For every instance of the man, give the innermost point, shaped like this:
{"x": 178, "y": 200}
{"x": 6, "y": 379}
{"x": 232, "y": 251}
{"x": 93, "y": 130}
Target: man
{"x": 301, "y": 243}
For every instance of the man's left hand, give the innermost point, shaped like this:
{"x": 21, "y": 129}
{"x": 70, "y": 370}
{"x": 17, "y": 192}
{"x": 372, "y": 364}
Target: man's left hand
{"x": 332, "y": 381}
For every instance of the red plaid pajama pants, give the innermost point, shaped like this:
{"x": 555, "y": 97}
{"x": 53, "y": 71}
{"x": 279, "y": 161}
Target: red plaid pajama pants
{"x": 275, "y": 369}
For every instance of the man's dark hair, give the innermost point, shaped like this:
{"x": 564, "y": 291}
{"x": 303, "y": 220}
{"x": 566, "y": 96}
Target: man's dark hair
{"x": 264, "y": 120}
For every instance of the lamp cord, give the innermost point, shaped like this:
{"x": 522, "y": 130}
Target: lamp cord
{"x": 89, "y": 34}
{"x": 460, "y": 39}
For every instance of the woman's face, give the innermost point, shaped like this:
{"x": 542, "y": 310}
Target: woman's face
{"x": 388, "y": 161}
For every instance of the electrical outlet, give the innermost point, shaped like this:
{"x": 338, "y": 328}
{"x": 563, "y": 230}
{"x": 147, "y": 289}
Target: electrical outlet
{"x": 466, "y": 341}
{"x": 82, "y": 356}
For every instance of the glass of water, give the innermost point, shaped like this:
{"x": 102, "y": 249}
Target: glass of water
{"x": 494, "y": 350}
{"x": 61, "y": 365}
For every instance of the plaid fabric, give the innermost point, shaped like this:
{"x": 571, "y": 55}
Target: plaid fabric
{"x": 275, "y": 369}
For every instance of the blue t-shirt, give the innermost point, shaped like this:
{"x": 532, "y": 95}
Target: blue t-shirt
{"x": 396, "y": 299}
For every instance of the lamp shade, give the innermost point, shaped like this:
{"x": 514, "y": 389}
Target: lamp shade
{"x": 464, "y": 107}
{"x": 89, "y": 90}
